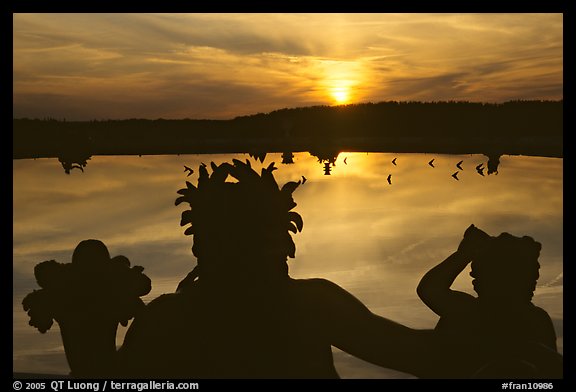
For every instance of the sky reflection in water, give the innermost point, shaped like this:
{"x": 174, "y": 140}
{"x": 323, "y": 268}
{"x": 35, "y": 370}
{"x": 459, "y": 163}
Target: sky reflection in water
{"x": 373, "y": 238}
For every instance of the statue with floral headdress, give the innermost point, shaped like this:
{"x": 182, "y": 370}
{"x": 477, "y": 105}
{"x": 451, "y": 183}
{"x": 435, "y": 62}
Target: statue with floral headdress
{"x": 88, "y": 298}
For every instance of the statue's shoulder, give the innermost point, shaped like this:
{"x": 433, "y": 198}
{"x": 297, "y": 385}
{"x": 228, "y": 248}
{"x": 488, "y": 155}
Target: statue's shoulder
{"x": 163, "y": 304}
{"x": 314, "y": 284}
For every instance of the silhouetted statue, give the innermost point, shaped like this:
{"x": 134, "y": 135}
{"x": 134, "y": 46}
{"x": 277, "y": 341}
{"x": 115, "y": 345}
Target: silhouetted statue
{"x": 238, "y": 313}
{"x": 88, "y": 298}
{"x": 500, "y": 333}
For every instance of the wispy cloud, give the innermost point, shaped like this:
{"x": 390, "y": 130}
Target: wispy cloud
{"x": 223, "y": 65}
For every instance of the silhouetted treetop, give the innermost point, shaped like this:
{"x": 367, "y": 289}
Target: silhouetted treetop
{"x": 431, "y": 122}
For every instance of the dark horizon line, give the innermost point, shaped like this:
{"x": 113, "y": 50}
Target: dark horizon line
{"x": 484, "y": 103}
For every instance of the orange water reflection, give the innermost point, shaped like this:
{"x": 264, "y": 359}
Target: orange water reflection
{"x": 372, "y": 237}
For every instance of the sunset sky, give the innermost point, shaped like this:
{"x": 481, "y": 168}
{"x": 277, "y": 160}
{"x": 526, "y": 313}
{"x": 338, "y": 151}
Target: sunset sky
{"x": 116, "y": 66}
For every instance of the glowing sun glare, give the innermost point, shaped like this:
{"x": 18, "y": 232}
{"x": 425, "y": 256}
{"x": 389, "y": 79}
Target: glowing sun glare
{"x": 340, "y": 94}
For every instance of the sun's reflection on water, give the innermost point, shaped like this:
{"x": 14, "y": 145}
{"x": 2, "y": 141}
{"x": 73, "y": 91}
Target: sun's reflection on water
{"x": 374, "y": 226}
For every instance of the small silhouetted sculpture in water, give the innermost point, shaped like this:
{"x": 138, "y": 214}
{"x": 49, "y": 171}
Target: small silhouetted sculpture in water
{"x": 71, "y": 162}
{"x": 287, "y": 157}
{"x": 500, "y": 333}
{"x": 327, "y": 156}
{"x": 493, "y": 162}
{"x": 88, "y": 298}
{"x": 480, "y": 169}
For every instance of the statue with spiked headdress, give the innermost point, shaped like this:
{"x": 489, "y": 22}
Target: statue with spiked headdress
{"x": 241, "y": 228}
{"x": 238, "y": 313}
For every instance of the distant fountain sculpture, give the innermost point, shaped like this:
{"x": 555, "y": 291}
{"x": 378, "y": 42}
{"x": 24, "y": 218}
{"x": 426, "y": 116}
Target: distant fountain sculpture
{"x": 328, "y": 157}
{"x": 288, "y": 158}
{"x": 493, "y": 162}
{"x": 70, "y": 162}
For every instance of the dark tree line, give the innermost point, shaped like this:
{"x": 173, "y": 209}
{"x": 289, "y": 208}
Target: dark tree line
{"x": 464, "y": 122}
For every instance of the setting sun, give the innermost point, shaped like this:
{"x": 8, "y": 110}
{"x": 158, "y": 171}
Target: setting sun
{"x": 279, "y": 60}
{"x": 340, "y": 94}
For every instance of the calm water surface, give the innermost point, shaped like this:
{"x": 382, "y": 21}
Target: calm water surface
{"x": 373, "y": 238}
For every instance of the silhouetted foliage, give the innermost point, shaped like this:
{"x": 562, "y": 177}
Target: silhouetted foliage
{"x": 398, "y": 126}
{"x": 260, "y": 156}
